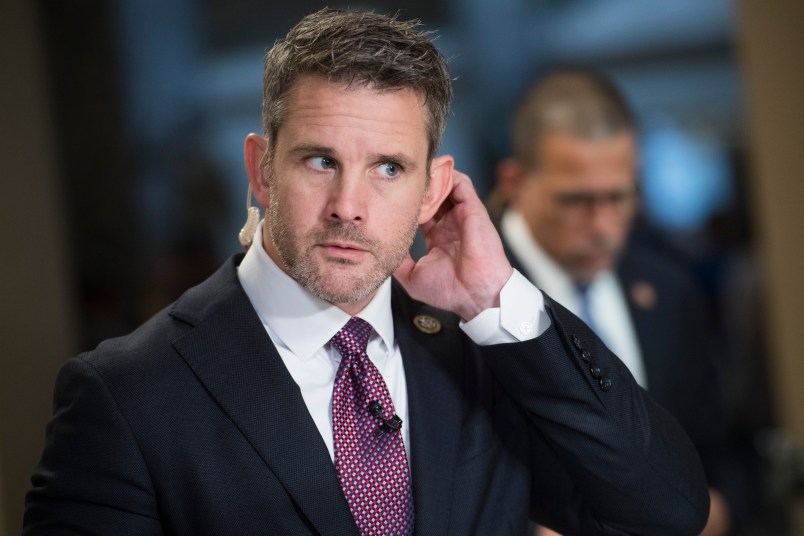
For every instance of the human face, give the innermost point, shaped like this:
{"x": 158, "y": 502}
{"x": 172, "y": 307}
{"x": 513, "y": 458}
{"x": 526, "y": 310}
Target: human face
{"x": 580, "y": 202}
{"x": 345, "y": 188}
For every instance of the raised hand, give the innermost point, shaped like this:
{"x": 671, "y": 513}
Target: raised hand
{"x": 465, "y": 266}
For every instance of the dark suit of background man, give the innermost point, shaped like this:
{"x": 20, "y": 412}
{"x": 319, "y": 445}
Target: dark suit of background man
{"x": 218, "y": 415}
{"x": 572, "y": 189}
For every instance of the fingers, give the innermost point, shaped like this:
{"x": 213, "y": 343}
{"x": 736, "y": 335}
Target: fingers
{"x": 402, "y": 274}
{"x": 462, "y": 191}
{"x": 461, "y": 187}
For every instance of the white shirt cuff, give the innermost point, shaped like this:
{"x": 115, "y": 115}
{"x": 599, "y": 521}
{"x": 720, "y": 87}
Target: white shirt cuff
{"x": 521, "y": 315}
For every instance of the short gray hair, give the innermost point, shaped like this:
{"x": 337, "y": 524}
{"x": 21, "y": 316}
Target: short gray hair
{"x": 581, "y": 104}
{"x": 358, "y": 48}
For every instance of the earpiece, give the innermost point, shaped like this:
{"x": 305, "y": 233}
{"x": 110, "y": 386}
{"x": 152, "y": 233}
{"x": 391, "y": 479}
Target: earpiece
{"x": 246, "y": 235}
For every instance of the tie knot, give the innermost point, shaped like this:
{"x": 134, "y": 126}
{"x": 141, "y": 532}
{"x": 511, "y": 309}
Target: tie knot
{"x": 353, "y": 338}
{"x": 582, "y": 289}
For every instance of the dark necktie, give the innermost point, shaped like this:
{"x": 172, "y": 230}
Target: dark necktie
{"x": 369, "y": 452}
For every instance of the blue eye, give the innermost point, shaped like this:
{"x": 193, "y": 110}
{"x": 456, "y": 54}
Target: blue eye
{"x": 389, "y": 169}
{"x": 321, "y": 163}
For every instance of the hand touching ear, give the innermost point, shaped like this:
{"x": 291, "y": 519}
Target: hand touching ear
{"x": 465, "y": 267}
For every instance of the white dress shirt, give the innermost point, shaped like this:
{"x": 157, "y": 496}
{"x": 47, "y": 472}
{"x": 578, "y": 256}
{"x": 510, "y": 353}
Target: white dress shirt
{"x": 607, "y": 301}
{"x": 301, "y": 325}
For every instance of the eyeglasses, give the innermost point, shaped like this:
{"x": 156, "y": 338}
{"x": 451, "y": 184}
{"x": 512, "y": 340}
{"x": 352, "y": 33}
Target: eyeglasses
{"x": 580, "y": 204}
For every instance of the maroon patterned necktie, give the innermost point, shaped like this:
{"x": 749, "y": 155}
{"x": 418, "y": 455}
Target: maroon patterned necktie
{"x": 369, "y": 452}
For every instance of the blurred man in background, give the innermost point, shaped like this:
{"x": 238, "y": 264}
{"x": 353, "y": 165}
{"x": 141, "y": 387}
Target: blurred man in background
{"x": 570, "y": 195}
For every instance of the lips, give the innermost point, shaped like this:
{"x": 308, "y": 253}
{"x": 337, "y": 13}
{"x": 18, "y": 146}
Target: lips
{"x": 595, "y": 254}
{"x": 342, "y": 251}
{"x": 343, "y": 242}
{"x": 342, "y": 245}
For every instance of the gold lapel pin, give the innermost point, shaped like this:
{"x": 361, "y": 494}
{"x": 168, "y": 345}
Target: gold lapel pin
{"x": 427, "y": 324}
{"x": 644, "y": 295}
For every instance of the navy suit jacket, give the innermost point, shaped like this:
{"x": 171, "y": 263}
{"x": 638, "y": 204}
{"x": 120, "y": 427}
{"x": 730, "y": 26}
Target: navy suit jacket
{"x": 675, "y": 336}
{"x": 193, "y": 425}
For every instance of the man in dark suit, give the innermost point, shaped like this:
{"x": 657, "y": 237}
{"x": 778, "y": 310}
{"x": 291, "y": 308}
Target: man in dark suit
{"x": 572, "y": 191}
{"x": 303, "y": 390}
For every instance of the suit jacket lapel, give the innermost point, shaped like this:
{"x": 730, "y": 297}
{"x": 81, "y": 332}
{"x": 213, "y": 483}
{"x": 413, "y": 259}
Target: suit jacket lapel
{"x": 645, "y": 322}
{"x": 232, "y": 355}
{"x": 433, "y": 372}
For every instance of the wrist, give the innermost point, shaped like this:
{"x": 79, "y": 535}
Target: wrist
{"x": 486, "y": 298}
{"x": 468, "y": 313}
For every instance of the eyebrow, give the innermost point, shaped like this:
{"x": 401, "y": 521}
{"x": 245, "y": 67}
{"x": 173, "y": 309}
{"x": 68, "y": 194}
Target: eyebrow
{"x": 399, "y": 158}
{"x": 305, "y": 148}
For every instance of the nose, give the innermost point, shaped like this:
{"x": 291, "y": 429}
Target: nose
{"x": 347, "y": 198}
{"x": 604, "y": 218}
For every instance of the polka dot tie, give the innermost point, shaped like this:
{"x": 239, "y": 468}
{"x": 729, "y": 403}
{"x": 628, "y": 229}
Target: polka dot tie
{"x": 369, "y": 451}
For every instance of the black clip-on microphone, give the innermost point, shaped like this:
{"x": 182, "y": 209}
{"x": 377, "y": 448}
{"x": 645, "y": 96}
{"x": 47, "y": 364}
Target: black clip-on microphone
{"x": 386, "y": 425}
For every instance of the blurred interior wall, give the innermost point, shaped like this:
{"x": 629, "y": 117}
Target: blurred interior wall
{"x": 771, "y": 46}
{"x": 36, "y": 328}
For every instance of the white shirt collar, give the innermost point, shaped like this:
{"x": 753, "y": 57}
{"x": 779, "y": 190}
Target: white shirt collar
{"x": 303, "y": 322}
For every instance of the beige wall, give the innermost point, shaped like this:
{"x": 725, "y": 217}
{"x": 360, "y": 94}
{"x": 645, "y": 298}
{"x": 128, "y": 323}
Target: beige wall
{"x": 36, "y": 324}
{"x": 772, "y": 47}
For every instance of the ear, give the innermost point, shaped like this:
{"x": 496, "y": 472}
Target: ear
{"x": 510, "y": 177}
{"x": 439, "y": 187}
{"x": 254, "y": 151}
